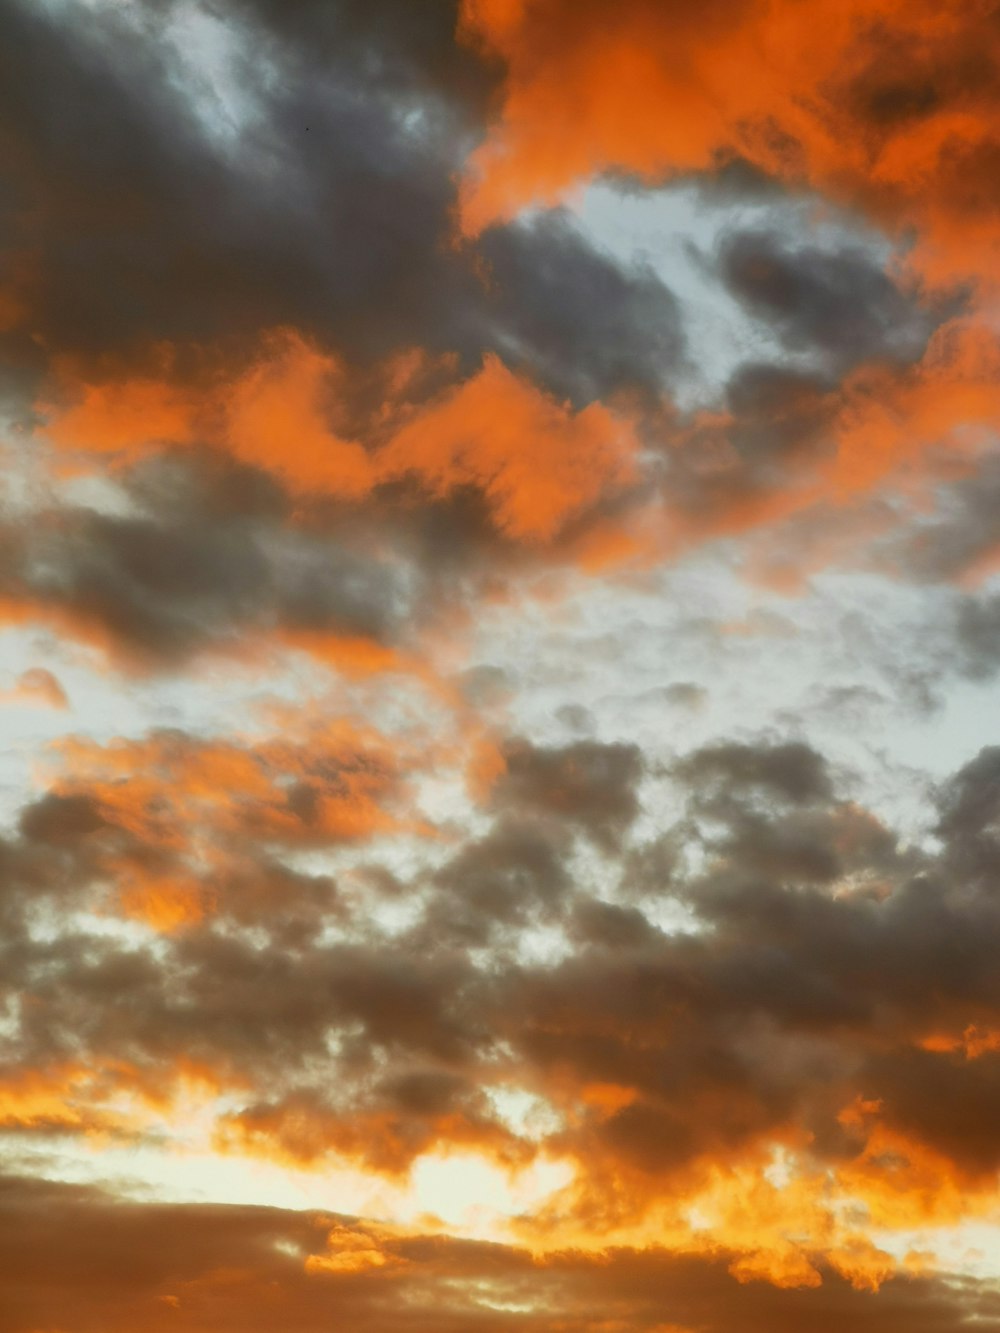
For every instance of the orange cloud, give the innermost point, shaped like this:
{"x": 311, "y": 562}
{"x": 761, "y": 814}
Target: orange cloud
{"x": 35, "y": 1098}
{"x": 278, "y": 418}
{"x": 784, "y": 1232}
{"x": 973, "y": 1042}
{"x": 537, "y": 464}
{"x": 354, "y": 1251}
{"x": 123, "y": 417}
{"x": 163, "y": 903}
{"x": 350, "y": 655}
{"x": 181, "y": 817}
{"x": 12, "y": 309}
{"x": 164, "y": 786}
{"x": 582, "y": 94}
{"x": 890, "y": 104}
{"x": 37, "y": 687}
{"x": 100, "y": 1097}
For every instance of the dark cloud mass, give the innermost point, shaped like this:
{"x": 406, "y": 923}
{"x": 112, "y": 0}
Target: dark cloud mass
{"x": 574, "y": 317}
{"x": 839, "y": 303}
{"x": 321, "y": 207}
{"x": 779, "y": 1001}
{"x": 166, "y": 582}
{"x": 220, "y": 1270}
{"x": 586, "y": 783}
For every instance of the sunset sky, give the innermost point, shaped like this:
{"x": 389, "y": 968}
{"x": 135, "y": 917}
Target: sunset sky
{"x": 500, "y": 669}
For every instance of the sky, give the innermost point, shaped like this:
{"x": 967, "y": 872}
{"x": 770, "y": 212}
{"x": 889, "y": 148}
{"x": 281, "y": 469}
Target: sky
{"x": 499, "y": 659}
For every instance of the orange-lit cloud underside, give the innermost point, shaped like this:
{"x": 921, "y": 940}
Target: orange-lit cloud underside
{"x": 886, "y": 103}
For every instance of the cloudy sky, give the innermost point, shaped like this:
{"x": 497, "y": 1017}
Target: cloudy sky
{"x": 500, "y": 624}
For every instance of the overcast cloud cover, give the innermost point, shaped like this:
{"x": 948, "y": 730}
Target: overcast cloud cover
{"x": 500, "y": 625}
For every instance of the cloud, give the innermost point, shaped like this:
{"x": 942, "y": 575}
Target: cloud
{"x": 791, "y": 771}
{"x": 202, "y": 562}
{"x": 840, "y": 303}
{"x": 504, "y": 846}
{"x": 39, "y": 687}
{"x": 109, "y": 1263}
{"x": 572, "y": 315}
{"x": 825, "y": 967}
{"x": 587, "y": 784}
{"x": 888, "y": 110}
{"x": 281, "y": 207}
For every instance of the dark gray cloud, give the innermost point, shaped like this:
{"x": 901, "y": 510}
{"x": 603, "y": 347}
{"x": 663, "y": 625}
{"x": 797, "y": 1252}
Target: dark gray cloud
{"x": 203, "y": 554}
{"x": 178, "y": 576}
{"x": 588, "y": 784}
{"x": 790, "y": 770}
{"x": 778, "y": 427}
{"x": 325, "y": 210}
{"x": 685, "y": 694}
{"x": 978, "y": 636}
{"x": 325, "y": 204}
{"x": 781, "y": 415}
{"x": 840, "y": 304}
{"x": 574, "y": 317}
{"x": 963, "y": 532}
{"x": 513, "y": 876}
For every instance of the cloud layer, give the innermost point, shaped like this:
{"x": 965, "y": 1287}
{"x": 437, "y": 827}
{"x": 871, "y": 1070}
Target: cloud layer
{"x": 498, "y": 701}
